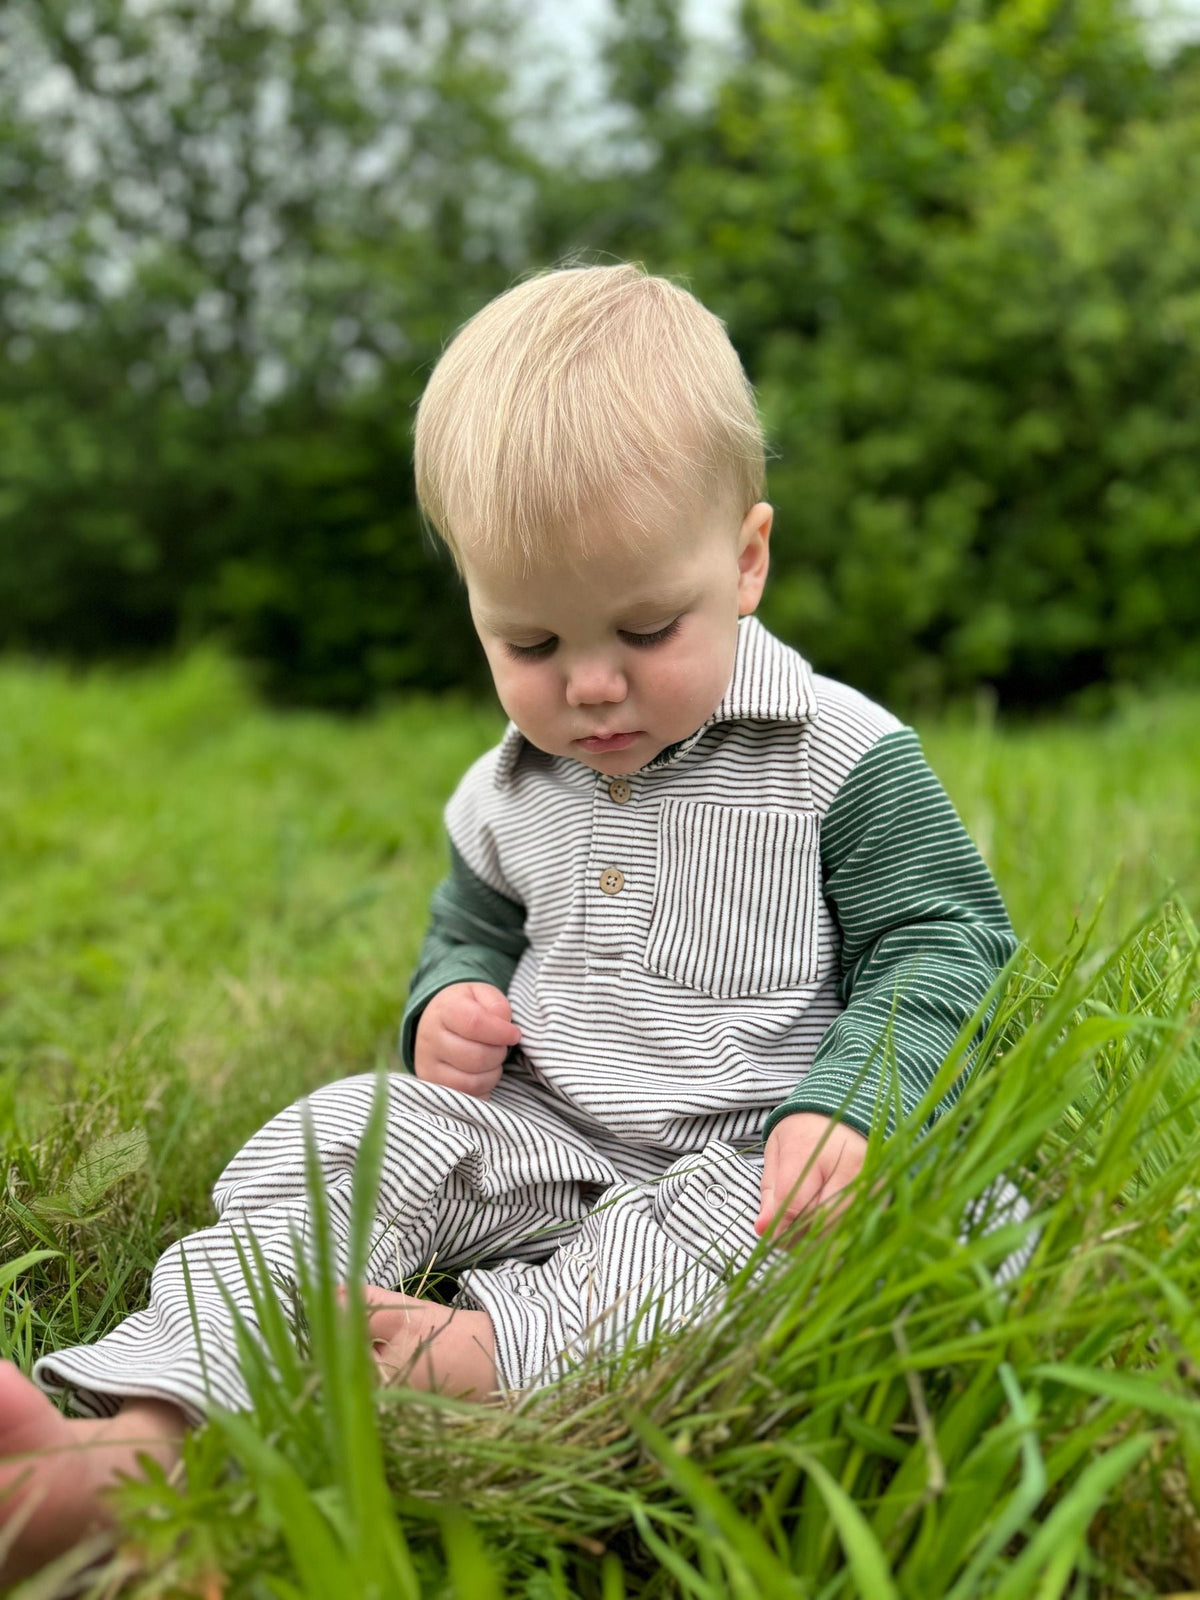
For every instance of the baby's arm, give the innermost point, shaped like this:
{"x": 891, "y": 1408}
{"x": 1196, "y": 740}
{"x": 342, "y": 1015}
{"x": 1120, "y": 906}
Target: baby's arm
{"x": 457, "y": 1026}
{"x": 924, "y": 934}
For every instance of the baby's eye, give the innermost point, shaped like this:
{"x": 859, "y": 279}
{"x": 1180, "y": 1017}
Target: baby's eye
{"x": 663, "y": 634}
{"x": 531, "y": 652}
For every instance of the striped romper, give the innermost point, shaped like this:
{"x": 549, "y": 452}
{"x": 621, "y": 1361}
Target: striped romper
{"x": 691, "y": 953}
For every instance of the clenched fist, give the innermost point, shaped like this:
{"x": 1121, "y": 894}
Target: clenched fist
{"x": 463, "y": 1036}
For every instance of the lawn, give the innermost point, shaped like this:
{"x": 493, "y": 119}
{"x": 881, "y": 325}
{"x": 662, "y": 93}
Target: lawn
{"x": 207, "y": 908}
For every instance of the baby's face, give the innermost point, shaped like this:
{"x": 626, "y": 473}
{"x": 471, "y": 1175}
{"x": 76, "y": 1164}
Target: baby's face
{"x": 610, "y": 663}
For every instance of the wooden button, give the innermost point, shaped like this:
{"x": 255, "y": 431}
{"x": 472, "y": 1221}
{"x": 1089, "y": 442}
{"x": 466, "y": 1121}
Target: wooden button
{"x": 619, "y": 791}
{"x": 612, "y": 880}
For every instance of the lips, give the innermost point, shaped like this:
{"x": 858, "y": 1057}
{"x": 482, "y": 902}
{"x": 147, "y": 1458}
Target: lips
{"x": 596, "y": 742}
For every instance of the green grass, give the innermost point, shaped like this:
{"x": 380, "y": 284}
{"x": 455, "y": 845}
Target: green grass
{"x": 207, "y": 909}
{"x": 1069, "y": 814}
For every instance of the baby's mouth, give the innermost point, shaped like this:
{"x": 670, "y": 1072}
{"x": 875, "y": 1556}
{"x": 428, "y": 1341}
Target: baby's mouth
{"x": 612, "y": 741}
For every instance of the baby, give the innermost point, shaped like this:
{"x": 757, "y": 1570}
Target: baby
{"x": 709, "y": 918}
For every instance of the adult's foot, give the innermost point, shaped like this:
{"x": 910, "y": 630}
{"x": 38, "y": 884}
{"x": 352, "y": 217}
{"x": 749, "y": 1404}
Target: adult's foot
{"x": 54, "y": 1469}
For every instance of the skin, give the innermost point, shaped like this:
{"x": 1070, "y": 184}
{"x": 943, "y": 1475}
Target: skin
{"x": 591, "y": 666}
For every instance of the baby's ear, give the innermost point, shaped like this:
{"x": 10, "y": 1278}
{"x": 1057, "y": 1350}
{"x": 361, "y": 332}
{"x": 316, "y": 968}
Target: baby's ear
{"x": 754, "y": 556}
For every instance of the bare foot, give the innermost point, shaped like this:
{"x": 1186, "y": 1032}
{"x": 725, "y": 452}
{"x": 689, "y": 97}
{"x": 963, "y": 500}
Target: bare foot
{"x": 426, "y": 1346}
{"x": 54, "y": 1469}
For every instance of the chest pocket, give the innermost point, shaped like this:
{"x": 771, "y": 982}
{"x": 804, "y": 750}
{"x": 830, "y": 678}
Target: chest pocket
{"x": 736, "y": 899}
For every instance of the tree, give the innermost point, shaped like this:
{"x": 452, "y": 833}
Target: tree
{"x": 944, "y": 241}
{"x": 234, "y": 236}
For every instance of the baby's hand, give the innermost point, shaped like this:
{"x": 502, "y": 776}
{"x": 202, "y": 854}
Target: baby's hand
{"x": 788, "y": 1201}
{"x": 463, "y": 1036}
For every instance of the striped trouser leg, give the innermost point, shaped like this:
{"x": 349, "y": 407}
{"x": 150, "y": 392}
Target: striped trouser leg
{"x": 463, "y": 1179}
{"x": 647, "y": 1257}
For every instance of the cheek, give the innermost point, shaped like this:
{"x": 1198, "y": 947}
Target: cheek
{"x": 697, "y": 676}
{"x": 673, "y": 679}
{"x": 526, "y": 692}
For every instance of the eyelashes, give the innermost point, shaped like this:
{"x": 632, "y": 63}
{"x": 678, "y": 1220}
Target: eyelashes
{"x": 640, "y": 641}
{"x": 529, "y": 652}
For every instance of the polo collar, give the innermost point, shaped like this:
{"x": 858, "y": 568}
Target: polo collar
{"x": 770, "y": 683}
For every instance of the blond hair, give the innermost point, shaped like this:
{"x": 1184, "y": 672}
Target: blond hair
{"x": 584, "y": 393}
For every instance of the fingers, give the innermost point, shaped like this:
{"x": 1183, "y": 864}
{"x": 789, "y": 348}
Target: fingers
{"x": 791, "y": 1211}
{"x": 374, "y": 1296}
{"x": 378, "y": 1297}
{"x": 463, "y": 1038}
{"x": 389, "y": 1311}
{"x": 766, "y": 1210}
{"x": 485, "y": 1027}
{"x": 807, "y": 1164}
{"x": 817, "y": 1201}
{"x": 442, "y": 1057}
{"x": 467, "y": 1054}
{"x": 442, "y": 1069}
{"x": 480, "y": 1084}
{"x": 477, "y": 1013}
{"x": 491, "y": 999}
{"x": 792, "y": 1180}
{"x": 464, "y": 1063}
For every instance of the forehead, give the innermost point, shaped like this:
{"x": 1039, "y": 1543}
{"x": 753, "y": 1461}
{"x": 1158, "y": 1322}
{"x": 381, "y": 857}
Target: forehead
{"x": 612, "y": 585}
{"x": 539, "y": 601}
{"x": 613, "y": 559}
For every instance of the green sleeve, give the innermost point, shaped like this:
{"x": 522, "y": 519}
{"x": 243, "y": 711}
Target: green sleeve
{"x": 475, "y": 936}
{"x": 924, "y": 935}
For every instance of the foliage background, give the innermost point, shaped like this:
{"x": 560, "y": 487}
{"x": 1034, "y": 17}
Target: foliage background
{"x": 958, "y": 248}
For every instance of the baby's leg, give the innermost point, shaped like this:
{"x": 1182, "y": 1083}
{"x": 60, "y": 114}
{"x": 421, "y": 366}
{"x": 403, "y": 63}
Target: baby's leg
{"x": 647, "y": 1258}
{"x": 54, "y": 1470}
{"x": 453, "y": 1184}
{"x": 459, "y": 1177}
{"x": 183, "y": 1347}
{"x": 151, "y": 1378}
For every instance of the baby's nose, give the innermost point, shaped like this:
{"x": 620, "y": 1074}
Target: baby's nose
{"x": 595, "y": 682}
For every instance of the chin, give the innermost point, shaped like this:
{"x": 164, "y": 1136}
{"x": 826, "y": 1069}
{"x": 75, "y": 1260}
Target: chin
{"x": 620, "y": 764}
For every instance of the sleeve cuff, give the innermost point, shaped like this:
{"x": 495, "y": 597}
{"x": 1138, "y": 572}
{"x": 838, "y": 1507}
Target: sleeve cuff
{"x": 862, "y": 1100}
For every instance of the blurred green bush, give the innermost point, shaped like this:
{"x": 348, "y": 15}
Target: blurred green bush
{"x": 957, "y": 247}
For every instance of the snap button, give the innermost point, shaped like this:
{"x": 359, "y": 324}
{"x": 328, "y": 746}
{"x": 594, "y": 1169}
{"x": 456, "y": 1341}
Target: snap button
{"x": 716, "y": 1196}
{"x": 612, "y": 880}
{"x": 619, "y": 791}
